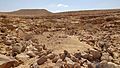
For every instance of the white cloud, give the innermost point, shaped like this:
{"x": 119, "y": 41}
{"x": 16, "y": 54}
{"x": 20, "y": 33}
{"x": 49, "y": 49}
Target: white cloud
{"x": 62, "y": 5}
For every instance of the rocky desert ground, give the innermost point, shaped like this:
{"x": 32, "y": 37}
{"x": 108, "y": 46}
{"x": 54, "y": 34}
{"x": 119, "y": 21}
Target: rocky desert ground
{"x": 76, "y": 39}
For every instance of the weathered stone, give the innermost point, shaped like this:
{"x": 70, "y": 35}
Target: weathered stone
{"x": 74, "y": 59}
{"x": 96, "y": 54}
{"x": 90, "y": 58}
{"x": 90, "y": 65}
{"x": 117, "y": 61}
{"x": 67, "y": 54}
{"x": 7, "y": 62}
{"x": 62, "y": 56}
{"x": 39, "y": 48}
{"x": 34, "y": 65}
{"x": 69, "y": 61}
{"x": 8, "y": 42}
{"x": 55, "y": 59}
{"x": 41, "y": 60}
{"x": 68, "y": 66}
{"x": 85, "y": 55}
{"x": 51, "y": 56}
{"x": 77, "y": 55}
{"x": 77, "y": 65}
{"x": 31, "y": 54}
{"x": 42, "y": 53}
{"x": 17, "y": 48}
{"x": 49, "y": 51}
{"x": 116, "y": 55}
{"x": 44, "y": 47}
{"x": 59, "y": 63}
{"x": 106, "y": 56}
{"x": 22, "y": 57}
{"x": 107, "y": 65}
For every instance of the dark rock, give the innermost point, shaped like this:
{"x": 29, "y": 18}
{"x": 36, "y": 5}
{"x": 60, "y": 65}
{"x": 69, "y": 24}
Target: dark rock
{"x": 78, "y": 55}
{"x": 62, "y": 56}
{"x": 74, "y": 59}
{"x": 77, "y": 65}
{"x": 41, "y": 60}
{"x": 55, "y": 59}
{"x": 96, "y": 54}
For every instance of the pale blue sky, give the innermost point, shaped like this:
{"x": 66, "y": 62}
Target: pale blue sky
{"x": 58, "y": 5}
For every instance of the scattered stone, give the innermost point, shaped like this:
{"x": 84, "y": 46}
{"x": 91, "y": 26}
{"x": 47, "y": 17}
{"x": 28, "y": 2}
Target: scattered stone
{"x": 31, "y": 54}
{"x": 78, "y": 55}
{"x": 34, "y": 65}
{"x": 69, "y": 61}
{"x": 51, "y": 56}
{"x": 91, "y": 65}
{"x": 107, "y": 65}
{"x": 77, "y": 65}
{"x": 8, "y": 42}
{"x": 7, "y": 62}
{"x": 55, "y": 59}
{"x": 116, "y": 55}
{"x": 62, "y": 56}
{"x": 96, "y": 54}
{"x": 74, "y": 59}
{"x": 22, "y": 57}
{"x": 106, "y": 56}
{"x": 44, "y": 47}
{"x": 42, "y": 60}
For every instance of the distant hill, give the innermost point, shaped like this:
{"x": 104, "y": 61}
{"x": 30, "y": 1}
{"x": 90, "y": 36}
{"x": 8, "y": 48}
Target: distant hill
{"x": 29, "y": 12}
{"x": 44, "y": 12}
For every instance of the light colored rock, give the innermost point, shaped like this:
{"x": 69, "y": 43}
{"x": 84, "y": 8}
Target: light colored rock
{"x": 116, "y": 55}
{"x": 51, "y": 56}
{"x": 17, "y": 48}
{"x": 107, "y": 65}
{"x": 77, "y": 65}
{"x": 8, "y": 42}
{"x": 105, "y": 56}
{"x": 31, "y": 54}
{"x": 7, "y": 62}
{"x": 69, "y": 61}
{"x": 22, "y": 57}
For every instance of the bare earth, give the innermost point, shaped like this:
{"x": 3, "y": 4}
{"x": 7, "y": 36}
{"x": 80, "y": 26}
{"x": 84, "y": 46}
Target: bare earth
{"x": 77, "y": 39}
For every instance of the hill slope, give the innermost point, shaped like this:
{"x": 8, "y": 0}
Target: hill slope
{"x": 29, "y": 12}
